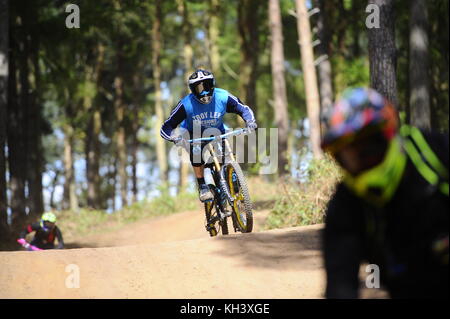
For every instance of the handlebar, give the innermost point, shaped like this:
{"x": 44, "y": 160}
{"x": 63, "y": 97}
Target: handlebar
{"x": 220, "y": 137}
{"x": 28, "y": 246}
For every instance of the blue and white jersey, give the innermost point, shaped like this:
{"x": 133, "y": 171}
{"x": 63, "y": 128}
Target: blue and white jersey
{"x": 189, "y": 112}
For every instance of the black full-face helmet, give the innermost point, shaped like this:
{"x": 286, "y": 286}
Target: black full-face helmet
{"x": 201, "y": 84}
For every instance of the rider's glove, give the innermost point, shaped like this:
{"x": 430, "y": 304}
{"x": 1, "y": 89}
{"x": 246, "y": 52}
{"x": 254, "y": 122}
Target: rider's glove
{"x": 23, "y": 242}
{"x": 252, "y": 125}
{"x": 180, "y": 141}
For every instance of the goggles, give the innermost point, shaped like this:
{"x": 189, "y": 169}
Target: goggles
{"x": 196, "y": 74}
{"x": 203, "y": 87}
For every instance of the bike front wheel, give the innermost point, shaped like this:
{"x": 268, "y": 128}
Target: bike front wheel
{"x": 242, "y": 205}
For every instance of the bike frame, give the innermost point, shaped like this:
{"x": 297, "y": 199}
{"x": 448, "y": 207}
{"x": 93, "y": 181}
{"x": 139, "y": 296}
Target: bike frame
{"x": 218, "y": 172}
{"x": 217, "y": 168}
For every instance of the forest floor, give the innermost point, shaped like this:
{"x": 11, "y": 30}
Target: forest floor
{"x": 174, "y": 257}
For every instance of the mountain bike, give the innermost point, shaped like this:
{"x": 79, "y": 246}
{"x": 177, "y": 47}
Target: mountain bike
{"x": 231, "y": 195}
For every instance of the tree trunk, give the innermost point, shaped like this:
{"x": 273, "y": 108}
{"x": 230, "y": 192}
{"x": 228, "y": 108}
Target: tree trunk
{"x": 135, "y": 125}
{"x": 324, "y": 67}
{"x": 120, "y": 136}
{"x": 114, "y": 184}
{"x": 439, "y": 64}
{"x": 15, "y": 131}
{"x": 279, "y": 84}
{"x": 92, "y": 145}
{"x": 156, "y": 50}
{"x": 134, "y": 162}
{"x": 382, "y": 52}
{"x": 310, "y": 78}
{"x": 110, "y": 192}
{"x": 213, "y": 32}
{"x": 248, "y": 27}
{"x": 419, "y": 102}
{"x": 70, "y": 200}
{"x": 188, "y": 67}
{"x": 52, "y": 194}
{"x": 248, "y": 12}
{"x": 4, "y": 48}
{"x": 93, "y": 159}
{"x": 357, "y": 10}
{"x": 34, "y": 143}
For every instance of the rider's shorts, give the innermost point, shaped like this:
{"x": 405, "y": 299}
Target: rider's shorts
{"x": 199, "y": 153}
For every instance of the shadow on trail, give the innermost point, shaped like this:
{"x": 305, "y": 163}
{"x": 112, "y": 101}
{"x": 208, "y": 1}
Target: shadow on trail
{"x": 15, "y": 247}
{"x": 75, "y": 245}
{"x": 292, "y": 249}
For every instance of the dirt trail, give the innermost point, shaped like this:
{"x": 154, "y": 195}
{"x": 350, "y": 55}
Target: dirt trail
{"x": 173, "y": 257}
{"x": 177, "y": 227}
{"x": 273, "y": 264}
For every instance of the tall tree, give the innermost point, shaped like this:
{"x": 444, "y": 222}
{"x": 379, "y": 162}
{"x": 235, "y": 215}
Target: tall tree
{"x": 248, "y": 25}
{"x": 159, "y": 111}
{"x": 4, "y": 48}
{"x": 135, "y": 125}
{"x": 120, "y": 108}
{"x": 382, "y": 51}
{"x": 94, "y": 126}
{"x": 280, "y": 107}
{"x": 70, "y": 200}
{"x": 439, "y": 63}
{"x": 34, "y": 112}
{"x": 120, "y": 138}
{"x": 323, "y": 52}
{"x": 419, "y": 103}
{"x": 213, "y": 36}
{"x": 16, "y": 121}
{"x": 188, "y": 68}
{"x": 134, "y": 154}
{"x": 310, "y": 77}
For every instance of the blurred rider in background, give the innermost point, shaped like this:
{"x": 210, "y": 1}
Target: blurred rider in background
{"x": 46, "y": 232}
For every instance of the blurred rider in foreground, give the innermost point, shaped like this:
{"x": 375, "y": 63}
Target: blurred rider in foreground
{"x": 392, "y": 208}
{"x": 46, "y": 232}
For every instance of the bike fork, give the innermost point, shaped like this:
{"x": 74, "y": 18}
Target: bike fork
{"x": 220, "y": 179}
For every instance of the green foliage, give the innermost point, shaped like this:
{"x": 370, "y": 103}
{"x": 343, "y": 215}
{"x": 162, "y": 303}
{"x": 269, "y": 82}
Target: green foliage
{"x": 82, "y": 222}
{"x": 350, "y": 72}
{"x": 68, "y": 58}
{"x": 305, "y": 203}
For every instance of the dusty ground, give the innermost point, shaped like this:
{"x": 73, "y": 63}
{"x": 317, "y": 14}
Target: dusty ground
{"x": 173, "y": 257}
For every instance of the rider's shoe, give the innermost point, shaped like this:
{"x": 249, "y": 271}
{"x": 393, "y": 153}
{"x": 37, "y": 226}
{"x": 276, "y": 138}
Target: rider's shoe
{"x": 226, "y": 214}
{"x": 205, "y": 193}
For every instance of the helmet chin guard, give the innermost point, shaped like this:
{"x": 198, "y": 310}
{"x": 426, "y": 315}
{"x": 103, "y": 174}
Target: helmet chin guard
{"x": 206, "y": 99}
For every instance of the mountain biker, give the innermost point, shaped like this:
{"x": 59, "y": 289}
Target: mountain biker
{"x": 391, "y": 209}
{"x": 45, "y": 233}
{"x": 203, "y": 109}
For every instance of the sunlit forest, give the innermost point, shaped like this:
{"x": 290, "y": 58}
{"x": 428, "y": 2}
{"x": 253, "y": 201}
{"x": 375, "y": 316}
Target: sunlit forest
{"x": 82, "y": 104}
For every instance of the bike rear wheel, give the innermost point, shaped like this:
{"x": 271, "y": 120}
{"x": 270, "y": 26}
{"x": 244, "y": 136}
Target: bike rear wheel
{"x": 242, "y": 206}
